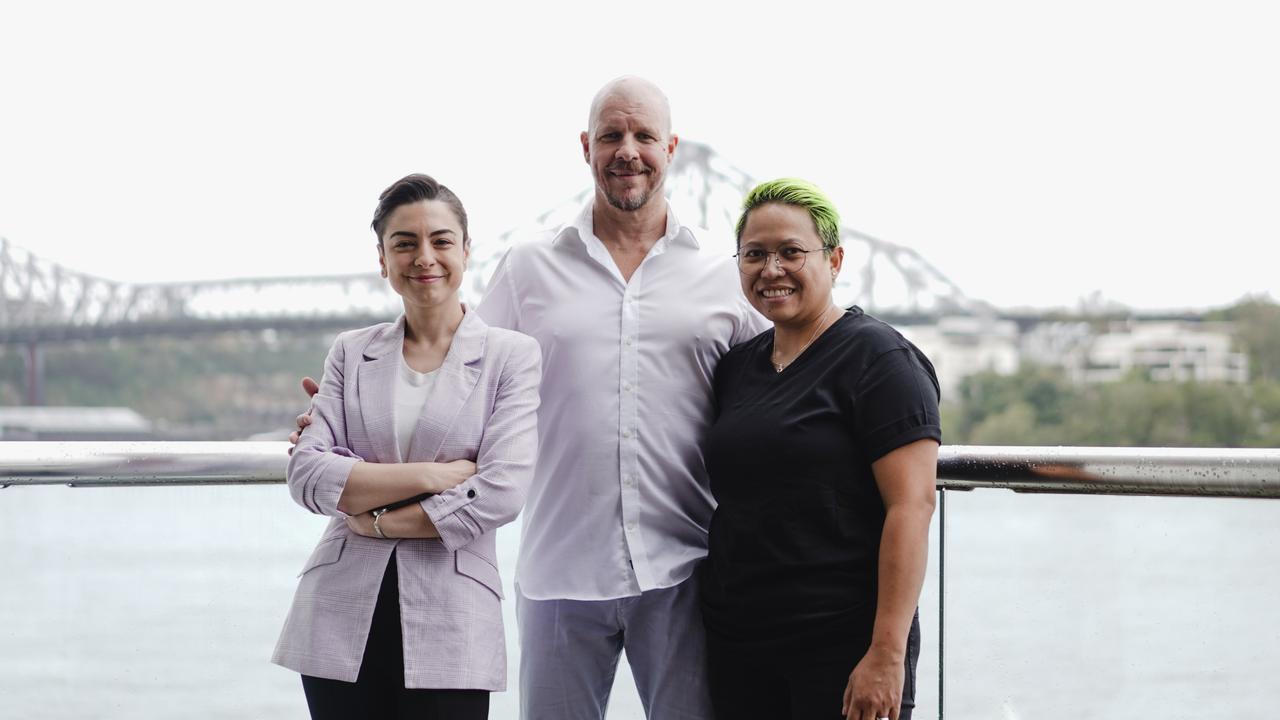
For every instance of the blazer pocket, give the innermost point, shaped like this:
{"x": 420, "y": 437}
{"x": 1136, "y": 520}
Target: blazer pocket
{"x": 479, "y": 569}
{"x": 326, "y": 553}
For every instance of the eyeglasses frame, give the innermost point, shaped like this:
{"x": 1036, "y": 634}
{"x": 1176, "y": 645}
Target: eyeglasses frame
{"x": 777, "y": 259}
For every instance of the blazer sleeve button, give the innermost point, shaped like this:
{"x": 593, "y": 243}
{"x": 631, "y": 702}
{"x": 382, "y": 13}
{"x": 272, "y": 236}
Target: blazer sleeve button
{"x": 471, "y": 493}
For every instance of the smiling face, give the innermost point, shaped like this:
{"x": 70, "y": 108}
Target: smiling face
{"x": 788, "y": 298}
{"x": 628, "y": 144}
{"x": 422, "y": 253}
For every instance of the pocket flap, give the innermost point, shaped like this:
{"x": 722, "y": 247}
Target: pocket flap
{"x": 326, "y": 553}
{"x": 476, "y": 567}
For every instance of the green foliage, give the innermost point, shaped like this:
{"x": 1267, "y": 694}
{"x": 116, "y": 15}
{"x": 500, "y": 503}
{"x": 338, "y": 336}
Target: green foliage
{"x": 1014, "y": 425}
{"x": 209, "y": 387}
{"x": 1257, "y": 331}
{"x": 1266, "y": 413}
{"x": 235, "y": 384}
{"x": 1010, "y": 410}
{"x": 1039, "y": 406}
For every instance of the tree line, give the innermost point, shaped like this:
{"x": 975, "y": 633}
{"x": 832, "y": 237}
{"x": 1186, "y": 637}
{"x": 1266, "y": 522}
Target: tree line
{"x": 1040, "y": 406}
{"x": 212, "y": 387}
{"x": 235, "y": 384}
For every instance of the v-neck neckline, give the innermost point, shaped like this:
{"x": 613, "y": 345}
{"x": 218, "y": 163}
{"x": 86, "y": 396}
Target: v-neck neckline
{"x": 768, "y": 356}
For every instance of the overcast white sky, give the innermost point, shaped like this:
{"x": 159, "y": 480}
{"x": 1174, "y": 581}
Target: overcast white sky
{"x": 1034, "y": 152}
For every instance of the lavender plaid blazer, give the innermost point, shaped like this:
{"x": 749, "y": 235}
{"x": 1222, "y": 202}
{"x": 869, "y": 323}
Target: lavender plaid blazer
{"x": 483, "y": 407}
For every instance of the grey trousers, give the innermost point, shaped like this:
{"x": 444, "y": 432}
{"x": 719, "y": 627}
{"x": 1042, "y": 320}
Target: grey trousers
{"x": 569, "y": 652}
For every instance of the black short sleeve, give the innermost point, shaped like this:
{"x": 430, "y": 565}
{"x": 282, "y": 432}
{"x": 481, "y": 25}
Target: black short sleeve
{"x": 897, "y": 404}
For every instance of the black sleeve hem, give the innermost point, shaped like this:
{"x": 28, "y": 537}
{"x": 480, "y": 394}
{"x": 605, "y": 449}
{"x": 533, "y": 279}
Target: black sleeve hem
{"x": 906, "y": 437}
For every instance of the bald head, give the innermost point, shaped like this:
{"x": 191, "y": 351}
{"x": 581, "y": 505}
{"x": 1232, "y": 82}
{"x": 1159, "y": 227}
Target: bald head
{"x": 634, "y": 93}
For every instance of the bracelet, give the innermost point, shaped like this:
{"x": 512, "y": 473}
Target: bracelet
{"x": 377, "y": 515}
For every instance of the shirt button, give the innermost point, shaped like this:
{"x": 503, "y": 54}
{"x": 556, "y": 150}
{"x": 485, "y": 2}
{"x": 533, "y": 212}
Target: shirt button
{"x": 629, "y": 341}
{"x": 471, "y": 493}
{"x": 631, "y": 527}
{"x": 629, "y": 480}
{"x": 627, "y": 387}
{"x": 626, "y": 434}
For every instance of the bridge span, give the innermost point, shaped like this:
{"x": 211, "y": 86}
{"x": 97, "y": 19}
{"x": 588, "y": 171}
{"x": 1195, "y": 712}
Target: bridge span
{"x": 43, "y": 302}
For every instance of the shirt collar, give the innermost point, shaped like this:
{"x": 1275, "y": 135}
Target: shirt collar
{"x": 583, "y": 227}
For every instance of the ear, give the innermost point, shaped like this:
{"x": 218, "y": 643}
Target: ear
{"x": 586, "y": 146}
{"x": 837, "y": 259}
{"x": 382, "y": 260}
{"x": 671, "y": 146}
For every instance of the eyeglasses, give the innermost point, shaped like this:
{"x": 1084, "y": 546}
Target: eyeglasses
{"x": 752, "y": 261}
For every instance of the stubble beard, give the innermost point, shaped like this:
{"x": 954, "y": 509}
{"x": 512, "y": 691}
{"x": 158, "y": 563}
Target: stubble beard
{"x": 626, "y": 205}
{"x": 635, "y": 202}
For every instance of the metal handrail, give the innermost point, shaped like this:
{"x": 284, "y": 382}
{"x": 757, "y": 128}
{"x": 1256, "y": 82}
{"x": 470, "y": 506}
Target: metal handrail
{"x": 1191, "y": 472}
{"x": 129, "y": 464}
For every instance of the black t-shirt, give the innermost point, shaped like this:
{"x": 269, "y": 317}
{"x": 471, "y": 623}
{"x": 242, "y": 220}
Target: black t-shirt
{"x": 794, "y": 542}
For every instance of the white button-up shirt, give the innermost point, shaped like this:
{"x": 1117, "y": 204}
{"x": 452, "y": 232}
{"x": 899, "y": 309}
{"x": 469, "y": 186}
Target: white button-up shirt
{"x": 620, "y": 500}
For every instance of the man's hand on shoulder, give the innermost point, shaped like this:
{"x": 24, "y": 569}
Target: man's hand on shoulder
{"x": 311, "y": 387}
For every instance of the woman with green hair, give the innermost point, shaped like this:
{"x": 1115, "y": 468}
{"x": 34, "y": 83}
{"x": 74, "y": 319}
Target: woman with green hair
{"x": 823, "y": 463}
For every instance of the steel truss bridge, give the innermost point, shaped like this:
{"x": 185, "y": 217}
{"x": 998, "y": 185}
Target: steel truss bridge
{"x": 42, "y": 302}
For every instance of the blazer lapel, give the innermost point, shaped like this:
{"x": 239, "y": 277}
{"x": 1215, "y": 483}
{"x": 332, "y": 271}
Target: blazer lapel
{"x": 376, "y": 381}
{"x": 459, "y": 374}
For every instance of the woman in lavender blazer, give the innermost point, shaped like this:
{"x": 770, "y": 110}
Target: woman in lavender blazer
{"x": 397, "y": 613}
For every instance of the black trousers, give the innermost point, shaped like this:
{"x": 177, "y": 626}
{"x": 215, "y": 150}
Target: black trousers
{"x": 768, "y": 686}
{"x": 379, "y": 692}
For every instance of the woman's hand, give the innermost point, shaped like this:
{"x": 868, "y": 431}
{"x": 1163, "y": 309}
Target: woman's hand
{"x": 875, "y": 687}
{"x": 410, "y": 521}
{"x": 454, "y": 473}
{"x": 310, "y": 387}
{"x": 906, "y": 478}
{"x": 362, "y": 524}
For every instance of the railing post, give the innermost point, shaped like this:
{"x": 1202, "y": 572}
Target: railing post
{"x": 942, "y": 599}
{"x": 35, "y": 374}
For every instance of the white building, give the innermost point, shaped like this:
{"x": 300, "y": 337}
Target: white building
{"x": 963, "y": 345}
{"x": 1163, "y": 351}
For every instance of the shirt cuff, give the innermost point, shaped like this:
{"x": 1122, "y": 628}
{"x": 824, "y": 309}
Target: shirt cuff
{"x": 449, "y": 515}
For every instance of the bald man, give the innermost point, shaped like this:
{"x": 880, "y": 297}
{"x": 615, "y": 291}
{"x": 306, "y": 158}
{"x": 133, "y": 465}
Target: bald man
{"x": 632, "y": 315}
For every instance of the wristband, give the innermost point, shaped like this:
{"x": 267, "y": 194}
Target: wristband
{"x": 377, "y": 515}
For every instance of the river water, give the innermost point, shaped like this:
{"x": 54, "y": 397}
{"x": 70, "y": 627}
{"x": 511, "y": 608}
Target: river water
{"x": 153, "y": 603}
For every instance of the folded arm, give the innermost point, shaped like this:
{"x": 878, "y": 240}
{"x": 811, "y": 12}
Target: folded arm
{"x": 410, "y": 521}
{"x": 494, "y": 495}
{"x": 328, "y": 479}
{"x": 375, "y": 485}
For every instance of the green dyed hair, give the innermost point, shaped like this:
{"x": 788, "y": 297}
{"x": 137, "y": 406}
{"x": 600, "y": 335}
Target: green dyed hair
{"x": 801, "y": 193}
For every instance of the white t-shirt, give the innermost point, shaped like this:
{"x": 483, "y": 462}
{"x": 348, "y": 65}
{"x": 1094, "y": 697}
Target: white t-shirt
{"x": 412, "y": 389}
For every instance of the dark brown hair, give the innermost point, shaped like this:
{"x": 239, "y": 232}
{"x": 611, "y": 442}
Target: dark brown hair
{"x": 416, "y": 188}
